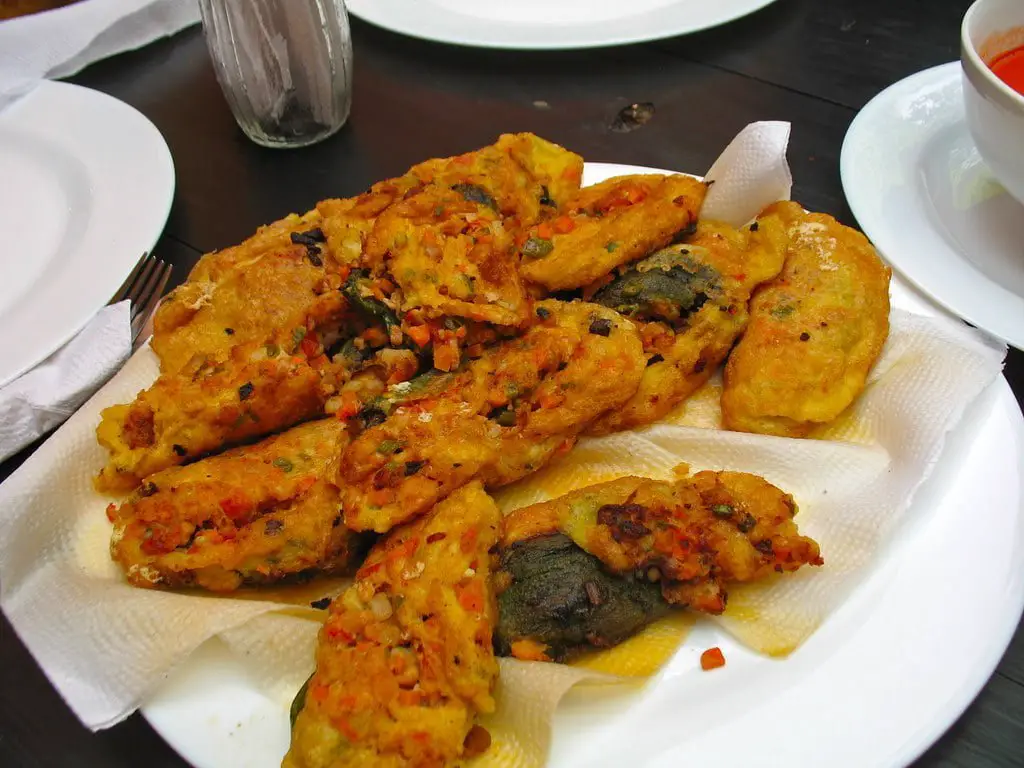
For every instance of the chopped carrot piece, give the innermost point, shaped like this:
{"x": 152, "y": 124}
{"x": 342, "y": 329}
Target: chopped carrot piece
{"x": 409, "y": 698}
{"x": 309, "y": 347}
{"x": 471, "y": 597}
{"x": 712, "y": 658}
{"x": 446, "y": 357}
{"x": 419, "y": 334}
{"x": 349, "y": 404}
{"x": 318, "y": 692}
{"x": 346, "y": 728}
{"x": 549, "y": 400}
{"x": 564, "y": 225}
{"x": 235, "y": 506}
{"x": 530, "y": 650}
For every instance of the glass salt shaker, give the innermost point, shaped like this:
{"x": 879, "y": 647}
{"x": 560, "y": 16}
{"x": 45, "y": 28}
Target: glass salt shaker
{"x": 285, "y": 66}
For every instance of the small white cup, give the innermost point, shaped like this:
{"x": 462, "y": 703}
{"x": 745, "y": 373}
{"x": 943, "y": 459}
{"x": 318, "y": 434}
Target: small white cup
{"x": 995, "y": 112}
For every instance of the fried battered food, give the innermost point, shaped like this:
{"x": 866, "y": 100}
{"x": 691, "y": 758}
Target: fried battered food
{"x": 419, "y": 267}
{"x": 405, "y": 660}
{"x": 253, "y": 515}
{"x": 442, "y": 260}
{"x": 815, "y": 331}
{"x": 521, "y": 173}
{"x": 281, "y": 282}
{"x": 692, "y": 538}
{"x": 181, "y": 418}
{"x": 691, "y": 302}
{"x": 450, "y": 255}
{"x": 286, "y": 276}
{"x": 498, "y": 419}
{"x": 607, "y": 225}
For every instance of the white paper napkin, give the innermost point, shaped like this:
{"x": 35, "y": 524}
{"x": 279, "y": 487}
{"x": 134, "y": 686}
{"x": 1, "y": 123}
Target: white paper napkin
{"x": 750, "y": 174}
{"x": 60, "y": 42}
{"x": 105, "y": 645}
{"x": 37, "y": 401}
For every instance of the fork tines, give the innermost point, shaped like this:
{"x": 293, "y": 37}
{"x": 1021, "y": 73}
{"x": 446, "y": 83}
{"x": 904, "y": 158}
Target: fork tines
{"x": 143, "y": 288}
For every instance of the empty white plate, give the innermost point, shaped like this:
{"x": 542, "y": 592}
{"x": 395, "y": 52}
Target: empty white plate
{"x": 86, "y": 184}
{"x": 549, "y": 24}
{"x": 920, "y": 191}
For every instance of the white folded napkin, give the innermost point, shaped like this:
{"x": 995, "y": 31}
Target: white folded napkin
{"x": 37, "y": 401}
{"x": 60, "y": 42}
{"x": 750, "y": 174}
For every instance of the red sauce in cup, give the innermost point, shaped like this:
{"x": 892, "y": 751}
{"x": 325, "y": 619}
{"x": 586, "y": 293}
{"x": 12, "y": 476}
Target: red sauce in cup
{"x": 1009, "y": 67}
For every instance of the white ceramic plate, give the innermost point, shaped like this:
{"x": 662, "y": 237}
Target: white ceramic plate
{"x": 85, "y": 188}
{"x": 920, "y": 191}
{"x": 874, "y": 686}
{"x": 549, "y": 24}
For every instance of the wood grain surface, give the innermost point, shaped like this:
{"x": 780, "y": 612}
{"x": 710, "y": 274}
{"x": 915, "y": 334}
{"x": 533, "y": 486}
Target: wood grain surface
{"x": 812, "y": 63}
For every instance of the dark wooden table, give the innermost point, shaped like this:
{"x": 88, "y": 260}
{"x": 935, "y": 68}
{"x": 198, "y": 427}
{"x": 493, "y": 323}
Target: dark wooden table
{"x": 810, "y": 62}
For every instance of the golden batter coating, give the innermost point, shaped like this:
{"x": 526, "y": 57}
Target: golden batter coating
{"x": 405, "y": 660}
{"x": 181, "y": 418}
{"x": 523, "y": 174}
{"x": 693, "y": 537}
{"x": 607, "y": 225}
{"x": 498, "y": 419}
{"x": 449, "y": 253}
{"x": 253, "y": 515}
{"x": 441, "y": 261}
{"x": 318, "y": 301}
{"x": 691, "y": 303}
{"x": 815, "y": 331}
{"x": 283, "y": 279}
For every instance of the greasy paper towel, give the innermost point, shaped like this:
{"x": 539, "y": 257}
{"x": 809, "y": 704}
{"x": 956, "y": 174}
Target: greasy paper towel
{"x": 106, "y": 645}
{"x": 40, "y": 399}
{"x": 60, "y": 42}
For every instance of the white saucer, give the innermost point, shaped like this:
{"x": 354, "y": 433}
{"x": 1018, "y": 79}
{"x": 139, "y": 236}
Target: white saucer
{"x": 86, "y": 184}
{"x": 541, "y": 24}
{"x": 920, "y": 191}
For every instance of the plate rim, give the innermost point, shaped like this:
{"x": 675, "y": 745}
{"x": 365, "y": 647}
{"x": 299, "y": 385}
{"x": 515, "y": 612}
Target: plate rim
{"x": 158, "y": 178}
{"x": 982, "y": 665}
{"x": 512, "y": 36}
{"x": 860, "y": 188}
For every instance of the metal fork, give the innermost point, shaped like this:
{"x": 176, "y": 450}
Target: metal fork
{"x": 143, "y": 288}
